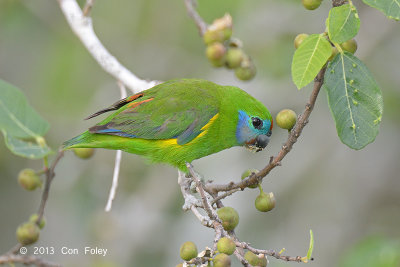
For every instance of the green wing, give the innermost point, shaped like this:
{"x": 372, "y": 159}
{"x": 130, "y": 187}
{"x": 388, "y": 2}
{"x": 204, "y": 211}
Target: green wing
{"x": 167, "y": 111}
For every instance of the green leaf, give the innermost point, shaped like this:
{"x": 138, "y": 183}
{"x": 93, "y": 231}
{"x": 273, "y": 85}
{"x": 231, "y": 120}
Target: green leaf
{"x": 311, "y": 247}
{"x": 343, "y": 23}
{"x": 373, "y": 252}
{"x": 309, "y": 58}
{"x": 355, "y": 100}
{"x": 391, "y": 8}
{"x": 17, "y": 116}
{"x": 21, "y": 125}
{"x": 26, "y": 148}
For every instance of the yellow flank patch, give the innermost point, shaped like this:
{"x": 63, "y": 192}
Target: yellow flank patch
{"x": 168, "y": 142}
{"x": 171, "y": 142}
{"x": 211, "y": 121}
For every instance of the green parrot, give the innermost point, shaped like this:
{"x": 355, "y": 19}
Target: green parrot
{"x": 179, "y": 121}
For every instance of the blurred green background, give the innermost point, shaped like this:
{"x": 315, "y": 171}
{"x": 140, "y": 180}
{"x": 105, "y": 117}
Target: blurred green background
{"x": 351, "y": 199}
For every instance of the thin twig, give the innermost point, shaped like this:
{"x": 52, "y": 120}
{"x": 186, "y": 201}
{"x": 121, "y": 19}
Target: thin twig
{"x": 203, "y": 219}
{"x": 117, "y": 165}
{"x": 336, "y": 3}
{"x": 200, "y": 23}
{"x": 241, "y": 258}
{"x": 224, "y": 195}
{"x": 114, "y": 184}
{"x": 49, "y": 178}
{"x": 190, "y": 200}
{"x": 271, "y": 253}
{"x": 88, "y": 7}
{"x": 198, "y": 261}
{"x": 27, "y": 260}
{"x": 45, "y": 195}
{"x": 206, "y": 205}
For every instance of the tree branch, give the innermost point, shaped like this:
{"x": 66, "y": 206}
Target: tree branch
{"x": 83, "y": 28}
{"x": 200, "y": 23}
{"x": 219, "y": 231}
{"x": 27, "y": 260}
{"x": 336, "y": 3}
{"x": 118, "y": 157}
{"x": 12, "y": 254}
{"x": 88, "y": 7}
{"x": 49, "y": 178}
{"x": 206, "y": 205}
{"x": 271, "y": 253}
{"x": 232, "y": 187}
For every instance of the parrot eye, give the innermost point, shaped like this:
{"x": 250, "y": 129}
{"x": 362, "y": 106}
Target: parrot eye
{"x": 257, "y": 122}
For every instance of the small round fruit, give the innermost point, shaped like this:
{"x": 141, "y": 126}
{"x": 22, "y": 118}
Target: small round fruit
{"x": 83, "y": 153}
{"x": 213, "y": 36}
{"x": 286, "y": 119}
{"x": 350, "y": 46}
{"x": 222, "y": 260}
{"x": 226, "y": 245}
{"x": 218, "y": 63}
{"x": 34, "y": 218}
{"x": 335, "y": 51}
{"x": 188, "y": 251}
{"x": 234, "y": 57}
{"x": 229, "y": 217}
{"x": 311, "y": 4}
{"x": 227, "y": 33}
{"x": 29, "y": 180}
{"x": 224, "y": 25}
{"x": 265, "y": 202}
{"x": 215, "y": 51}
{"x": 246, "y": 71}
{"x": 28, "y": 233}
{"x": 299, "y": 39}
{"x": 249, "y": 172}
{"x": 254, "y": 260}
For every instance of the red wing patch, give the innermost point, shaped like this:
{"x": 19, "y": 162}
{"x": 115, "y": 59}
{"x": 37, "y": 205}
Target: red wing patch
{"x": 133, "y": 97}
{"x": 117, "y": 105}
{"x": 135, "y": 104}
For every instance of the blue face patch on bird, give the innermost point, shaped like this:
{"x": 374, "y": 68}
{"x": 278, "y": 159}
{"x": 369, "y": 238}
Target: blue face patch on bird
{"x": 252, "y": 131}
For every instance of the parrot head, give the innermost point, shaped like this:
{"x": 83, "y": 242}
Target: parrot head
{"x": 253, "y": 131}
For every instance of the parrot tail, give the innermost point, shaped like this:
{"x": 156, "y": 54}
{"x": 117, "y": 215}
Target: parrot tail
{"x": 82, "y": 140}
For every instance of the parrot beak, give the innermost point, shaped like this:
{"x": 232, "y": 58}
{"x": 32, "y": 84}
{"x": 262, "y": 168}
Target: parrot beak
{"x": 261, "y": 142}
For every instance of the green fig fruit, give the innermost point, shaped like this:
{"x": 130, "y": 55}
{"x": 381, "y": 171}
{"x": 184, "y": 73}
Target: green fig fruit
{"x": 349, "y": 46}
{"x": 311, "y": 4}
{"x": 246, "y": 71}
{"x": 215, "y": 51}
{"x": 286, "y": 119}
{"x": 249, "y": 172}
{"x": 29, "y": 180}
{"x": 83, "y": 153}
{"x": 188, "y": 251}
{"x": 34, "y": 218}
{"x": 255, "y": 260}
{"x": 265, "y": 202}
{"x": 28, "y": 233}
{"x": 234, "y": 57}
{"x": 226, "y": 245}
{"x": 222, "y": 260}
{"x": 229, "y": 217}
{"x": 299, "y": 39}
